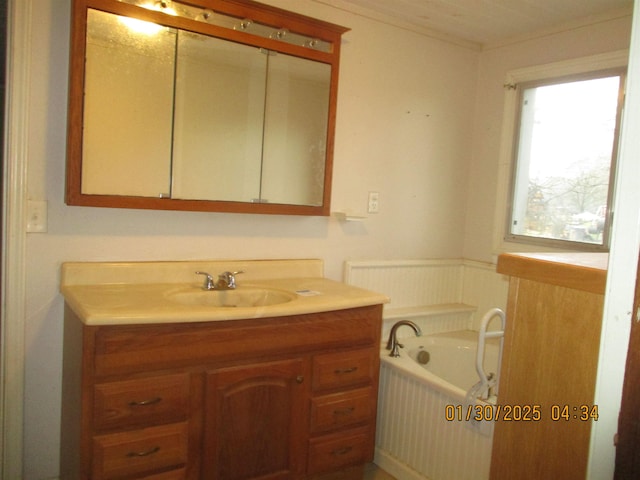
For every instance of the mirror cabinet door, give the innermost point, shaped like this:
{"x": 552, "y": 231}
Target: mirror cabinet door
{"x": 295, "y": 130}
{"x": 128, "y": 105}
{"x": 219, "y": 119}
{"x": 186, "y": 113}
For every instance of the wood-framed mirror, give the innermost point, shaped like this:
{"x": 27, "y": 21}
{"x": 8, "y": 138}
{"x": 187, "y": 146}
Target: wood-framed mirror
{"x": 202, "y": 105}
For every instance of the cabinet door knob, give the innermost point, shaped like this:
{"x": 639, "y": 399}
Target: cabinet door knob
{"x": 300, "y": 379}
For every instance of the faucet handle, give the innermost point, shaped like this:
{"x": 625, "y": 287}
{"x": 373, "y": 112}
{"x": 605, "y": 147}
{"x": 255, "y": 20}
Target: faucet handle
{"x": 208, "y": 281}
{"x": 230, "y": 278}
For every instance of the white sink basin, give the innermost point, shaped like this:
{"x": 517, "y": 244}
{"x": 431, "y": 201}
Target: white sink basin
{"x": 242, "y": 297}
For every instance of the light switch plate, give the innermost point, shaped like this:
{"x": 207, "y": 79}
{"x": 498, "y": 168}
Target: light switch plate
{"x": 36, "y": 216}
{"x": 374, "y": 202}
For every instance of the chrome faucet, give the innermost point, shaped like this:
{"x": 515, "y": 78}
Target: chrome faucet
{"x": 226, "y": 281}
{"x": 392, "y": 343}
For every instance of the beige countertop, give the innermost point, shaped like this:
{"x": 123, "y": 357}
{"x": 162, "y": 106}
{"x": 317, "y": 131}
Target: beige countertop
{"x": 577, "y": 270}
{"x": 126, "y": 293}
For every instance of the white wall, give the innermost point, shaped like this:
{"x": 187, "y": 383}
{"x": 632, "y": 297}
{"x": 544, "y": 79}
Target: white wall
{"x": 403, "y": 123}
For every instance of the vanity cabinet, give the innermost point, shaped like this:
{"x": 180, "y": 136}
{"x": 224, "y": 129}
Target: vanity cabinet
{"x": 549, "y": 363}
{"x": 289, "y": 397}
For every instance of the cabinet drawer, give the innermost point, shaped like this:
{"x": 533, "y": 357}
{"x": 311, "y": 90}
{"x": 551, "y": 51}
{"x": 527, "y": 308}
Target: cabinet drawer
{"x": 339, "y": 451}
{"x": 344, "y": 369}
{"x": 139, "y": 452}
{"x": 140, "y": 402}
{"x": 342, "y": 409}
{"x": 180, "y": 474}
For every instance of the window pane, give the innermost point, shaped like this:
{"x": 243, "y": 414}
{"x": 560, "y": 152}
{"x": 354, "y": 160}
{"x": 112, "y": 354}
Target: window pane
{"x": 565, "y": 146}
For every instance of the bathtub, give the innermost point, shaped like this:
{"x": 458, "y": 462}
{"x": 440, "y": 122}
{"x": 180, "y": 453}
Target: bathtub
{"x": 422, "y": 430}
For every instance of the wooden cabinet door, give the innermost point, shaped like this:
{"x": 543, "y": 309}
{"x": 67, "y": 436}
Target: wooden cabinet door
{"x": 256, "y": 418}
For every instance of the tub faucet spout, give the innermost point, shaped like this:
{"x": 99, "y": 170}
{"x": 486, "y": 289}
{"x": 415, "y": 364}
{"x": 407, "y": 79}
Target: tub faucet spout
{"x": 392, "y": 343}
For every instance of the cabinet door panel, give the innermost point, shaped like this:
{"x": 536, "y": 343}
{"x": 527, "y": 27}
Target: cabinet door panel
{"x": 256, "y": 419}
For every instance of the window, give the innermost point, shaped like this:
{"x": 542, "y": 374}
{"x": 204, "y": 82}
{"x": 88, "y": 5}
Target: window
{"x": 565, "y": 149}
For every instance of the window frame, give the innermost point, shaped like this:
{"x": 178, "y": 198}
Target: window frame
{"x": 579, "y": 68}
{"x": 543, "y": 82}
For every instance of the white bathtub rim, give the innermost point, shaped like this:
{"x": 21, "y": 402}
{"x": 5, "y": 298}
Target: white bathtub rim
{"x": 405, "y": 364}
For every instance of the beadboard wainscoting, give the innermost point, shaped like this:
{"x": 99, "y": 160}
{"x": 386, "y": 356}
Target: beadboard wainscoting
{"x": 439, "y": 294}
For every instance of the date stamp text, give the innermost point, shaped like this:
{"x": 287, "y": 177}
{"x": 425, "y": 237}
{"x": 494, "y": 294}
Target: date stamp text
{"x": 520, "y": 413}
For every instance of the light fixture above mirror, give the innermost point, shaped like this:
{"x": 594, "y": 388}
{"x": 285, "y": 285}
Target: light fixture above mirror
{"x": 218, "y": 18}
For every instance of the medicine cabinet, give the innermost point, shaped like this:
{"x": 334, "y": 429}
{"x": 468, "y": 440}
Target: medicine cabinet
{"x": 205, "y": 105}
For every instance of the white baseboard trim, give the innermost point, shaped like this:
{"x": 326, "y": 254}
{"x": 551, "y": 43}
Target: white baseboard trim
{"x": 395, "y": 467}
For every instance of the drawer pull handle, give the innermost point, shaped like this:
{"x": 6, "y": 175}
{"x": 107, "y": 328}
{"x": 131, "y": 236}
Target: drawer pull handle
{"x": 342, "y": 371}
{"x": 344, "y": 411}
{"x": 144, "y": 403}
{"x": 300, "y": 379}
{"x": 341, "y": 451}
{"x": 144, "y": 454}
